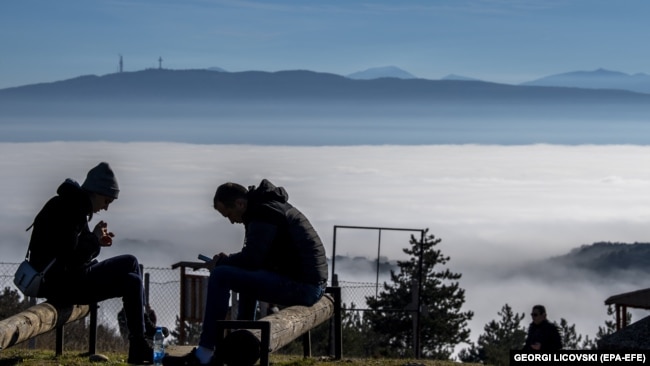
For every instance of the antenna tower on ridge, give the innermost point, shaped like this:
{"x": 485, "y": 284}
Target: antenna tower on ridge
{"x": 121, "y": 64}
{"x": 159, "y": 62}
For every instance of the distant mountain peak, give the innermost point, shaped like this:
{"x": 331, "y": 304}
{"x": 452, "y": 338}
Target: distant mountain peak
{"x": 600, "y": 72}
{"x": 458, "y": 77}
{"x": 597, "y": 79}
{"x": 381, "y": 72}
{"x": 606, "y": 257}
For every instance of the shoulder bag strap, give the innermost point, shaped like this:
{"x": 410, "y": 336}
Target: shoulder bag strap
{"x": 28, "y": 252}
{"x": 28, "y": 246}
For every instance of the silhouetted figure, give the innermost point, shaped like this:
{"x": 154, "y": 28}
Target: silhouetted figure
{"x": 61, "y": 235}
{"x": 282, "y": 262}
{"x": 543, "y": 335}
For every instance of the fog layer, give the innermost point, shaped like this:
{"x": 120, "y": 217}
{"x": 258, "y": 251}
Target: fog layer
{"x": 494, "y": 207}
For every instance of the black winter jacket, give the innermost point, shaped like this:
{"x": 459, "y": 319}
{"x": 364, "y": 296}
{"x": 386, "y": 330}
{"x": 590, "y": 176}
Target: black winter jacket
{"x": 279, "y": 238}
{"x": 61, "y": 232}
{"x": 546, "y": 334}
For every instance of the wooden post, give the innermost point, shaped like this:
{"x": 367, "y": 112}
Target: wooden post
{"x": 306, "y": 345}
{"x": 337, "y": 327}
{"x": 58, "y": 343}
{"x": 92, "y": 333}
{"x": 32, "y": 342}
{"x": 182, "y": 335}
{"x": 184, "y": 300}
{"x": 92, "y": 336}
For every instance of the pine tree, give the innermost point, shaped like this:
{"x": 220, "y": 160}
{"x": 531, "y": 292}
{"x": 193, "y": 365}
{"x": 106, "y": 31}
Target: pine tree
{"x": 493, "y": 347}
{"x": 11, "y": 303}
{"x": 571, "y": 339}
{"x": 360, "y": 339}
{"x": 442, "y": 324}
{"x": 610, "y": 325}
{"x": 192, "y": 332}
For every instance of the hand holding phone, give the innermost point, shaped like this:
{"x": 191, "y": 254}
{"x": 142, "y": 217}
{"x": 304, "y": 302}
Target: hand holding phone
{"x": 210, "y": 263}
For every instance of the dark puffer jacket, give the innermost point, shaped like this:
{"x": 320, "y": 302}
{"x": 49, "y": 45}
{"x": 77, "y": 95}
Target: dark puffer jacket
{"x": 61, "y": 232}
{"x": 546, "y": 334}
{"x": 279, "y": 238}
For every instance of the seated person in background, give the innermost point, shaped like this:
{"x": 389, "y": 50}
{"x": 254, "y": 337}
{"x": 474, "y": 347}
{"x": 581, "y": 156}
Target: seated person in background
{"x": 282, "y": 262}
{"x": 61, "y": 234}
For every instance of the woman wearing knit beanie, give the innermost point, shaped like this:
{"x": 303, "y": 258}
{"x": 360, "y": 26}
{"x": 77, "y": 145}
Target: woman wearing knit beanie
{"x": 61, "y": 234}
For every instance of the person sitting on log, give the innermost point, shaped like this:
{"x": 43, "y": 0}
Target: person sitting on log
{"x": 61, "y": 234}
{"x": 282, "y": 262}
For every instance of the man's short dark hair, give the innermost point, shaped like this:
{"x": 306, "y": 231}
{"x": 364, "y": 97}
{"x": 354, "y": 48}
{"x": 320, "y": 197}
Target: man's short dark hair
{"x": 228, "y": 193}
{"x": 540, "y": 308}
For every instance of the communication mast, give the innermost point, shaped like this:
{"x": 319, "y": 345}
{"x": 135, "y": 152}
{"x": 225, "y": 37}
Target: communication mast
{"x": 121, "y": 64}
{"x": 160, "y": 63}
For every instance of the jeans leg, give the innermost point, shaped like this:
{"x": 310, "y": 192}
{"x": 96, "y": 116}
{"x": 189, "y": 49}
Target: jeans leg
{"x": 216, "y": 307}
{"x": 114, "y": 277}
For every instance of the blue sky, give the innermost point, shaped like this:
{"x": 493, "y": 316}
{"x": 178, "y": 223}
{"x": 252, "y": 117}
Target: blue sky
{"x": 509, "y": 41}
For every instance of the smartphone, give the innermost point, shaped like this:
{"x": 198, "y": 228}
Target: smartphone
{"x": 204, "y": 258}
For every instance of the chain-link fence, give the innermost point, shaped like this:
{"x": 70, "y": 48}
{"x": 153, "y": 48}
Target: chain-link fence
{"x": 356, "y": 293}
{"x": 361, "y": 275}
{"x": 163, "y": 289}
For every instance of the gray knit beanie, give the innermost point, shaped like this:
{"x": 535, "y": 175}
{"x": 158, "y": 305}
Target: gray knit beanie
{"x": 101, "y": 180}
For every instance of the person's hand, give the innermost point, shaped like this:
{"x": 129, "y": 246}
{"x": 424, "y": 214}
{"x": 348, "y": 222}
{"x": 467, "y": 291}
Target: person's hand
{"x": 536, "y": 346}
{"x": 105, "y": 237}
{"x": 215, "y": 260}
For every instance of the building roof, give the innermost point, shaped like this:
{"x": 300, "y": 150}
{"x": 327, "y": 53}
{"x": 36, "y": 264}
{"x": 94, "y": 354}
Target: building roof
{"x": 635, "y": 299}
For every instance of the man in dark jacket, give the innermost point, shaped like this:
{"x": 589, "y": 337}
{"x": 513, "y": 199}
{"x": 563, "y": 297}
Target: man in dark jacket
{"x": 61, "y": 236}
{"x": 282, "y": 262}
{"x": 543, "y": 336}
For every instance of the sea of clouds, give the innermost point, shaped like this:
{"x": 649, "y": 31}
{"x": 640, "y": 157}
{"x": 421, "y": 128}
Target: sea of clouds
{"x": 494, "y": 207}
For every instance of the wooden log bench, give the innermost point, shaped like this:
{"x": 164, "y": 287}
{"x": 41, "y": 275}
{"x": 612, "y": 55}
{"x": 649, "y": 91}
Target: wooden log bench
{"x": 44, "y": 317}
{"x": 253, "y": 340}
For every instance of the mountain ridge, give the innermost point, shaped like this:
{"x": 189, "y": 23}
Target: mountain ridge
{"x": 606, "y": 257}
{"x": 600, "y": 259}
{"x": 597, "y": 79}
{"x": 288, "y": 107}
{"x": 598, "y": 262}
{"x": 294, "y": 84}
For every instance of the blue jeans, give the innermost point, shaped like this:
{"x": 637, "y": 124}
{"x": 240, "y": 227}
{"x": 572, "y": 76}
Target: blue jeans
{"x": 252, "y": 285}
{"x": 111, "y": 278}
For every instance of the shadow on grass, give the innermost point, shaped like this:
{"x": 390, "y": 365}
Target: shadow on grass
{"x": 11, "y": 361}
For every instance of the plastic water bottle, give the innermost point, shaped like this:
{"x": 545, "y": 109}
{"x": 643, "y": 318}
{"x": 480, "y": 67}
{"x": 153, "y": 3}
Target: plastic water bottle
{"x": 158, "y": 347}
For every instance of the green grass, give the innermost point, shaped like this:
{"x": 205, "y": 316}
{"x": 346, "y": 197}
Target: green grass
{"x": 41, "y": 357}
{"x": 25, "y": 357}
